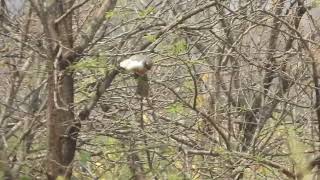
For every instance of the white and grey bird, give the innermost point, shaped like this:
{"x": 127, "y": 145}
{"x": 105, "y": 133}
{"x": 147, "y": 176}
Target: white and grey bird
{"x": 139, "y": 65}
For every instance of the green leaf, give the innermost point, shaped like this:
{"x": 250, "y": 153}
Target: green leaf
{"x": 146, "y": 12}
{"x": 90, "y": 63}
{"x": 259, "y": 158}
{"x": 175, "y": 108}
{"x": 188, "y": 84}
{"x": 85, "y": 156}
{"x": 179, "y": 47}
{"x": 297, "y": 149}
{"x": 60, "y": 178}
{"x": 150, "y": 38}
{"x": 315, "y": 3}
{"x": 110, "y": 14}
{"x": 175, "y": 176}
{"x": 1, "y": 174}
{"x": 25, "y": 178}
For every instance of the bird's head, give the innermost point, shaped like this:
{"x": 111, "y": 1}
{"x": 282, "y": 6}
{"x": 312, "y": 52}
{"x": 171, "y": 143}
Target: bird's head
{"x": 148, "y": 63}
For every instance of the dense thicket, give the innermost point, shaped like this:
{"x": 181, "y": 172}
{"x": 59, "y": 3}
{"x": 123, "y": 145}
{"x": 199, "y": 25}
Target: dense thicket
{"x": 234, "y": 90}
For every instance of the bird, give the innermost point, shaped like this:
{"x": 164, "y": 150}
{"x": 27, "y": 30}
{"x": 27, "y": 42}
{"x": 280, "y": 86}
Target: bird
{"x": 139, "y": 65}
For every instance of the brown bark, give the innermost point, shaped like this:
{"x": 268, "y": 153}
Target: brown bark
{"x": 61, "y": 140}
{"x": 63, "y": 127}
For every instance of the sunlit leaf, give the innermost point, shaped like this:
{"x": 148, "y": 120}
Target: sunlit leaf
{"x": 205, "y": 77}
{"x": 200, "y": 100}
{"x": 151, "y": 37}
{"x": 297, "y": 149}
{"x": 110, "y": 14}
{"x": 147, "y": 11}
{"x": 60, "y": 178}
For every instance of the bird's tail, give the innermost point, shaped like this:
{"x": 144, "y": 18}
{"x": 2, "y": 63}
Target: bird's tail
{"x": 143, "y": 86}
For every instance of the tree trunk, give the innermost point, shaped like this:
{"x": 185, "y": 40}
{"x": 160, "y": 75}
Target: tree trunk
{"x": 62, "y": 126}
